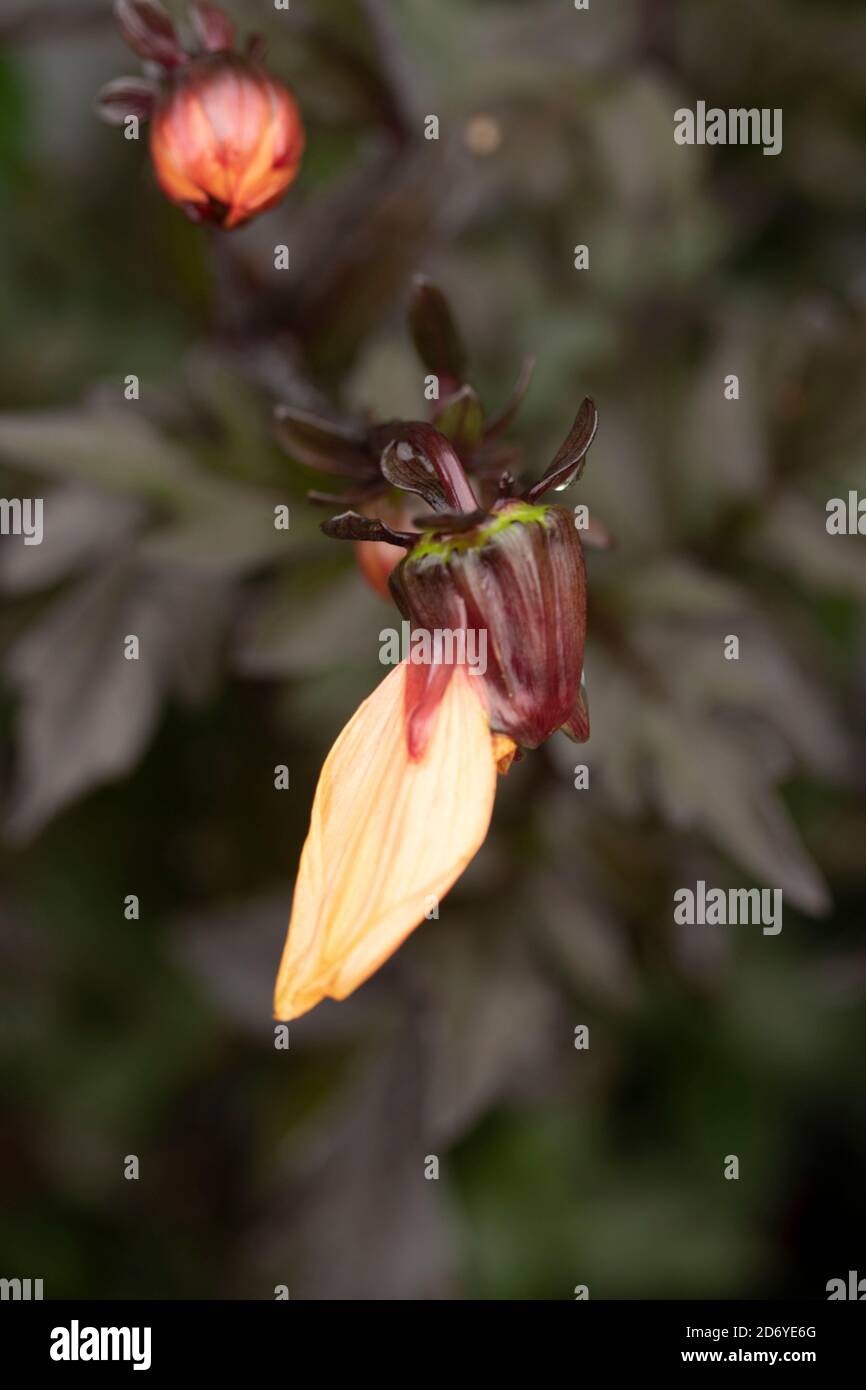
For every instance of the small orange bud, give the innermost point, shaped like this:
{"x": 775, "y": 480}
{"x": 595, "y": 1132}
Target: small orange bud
{"x": 376, "y": 559}
{"x": 226, "y": 139}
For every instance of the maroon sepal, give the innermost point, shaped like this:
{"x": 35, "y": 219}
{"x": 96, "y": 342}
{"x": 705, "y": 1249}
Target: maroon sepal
{"x": 421, "y": 460}
{"x": 324, "y": 444}
{"x": 450, "y": 523}
{"x": 434, "y": 332}
{"x": 126, "y": 96}
{"x": 213, "y": 28}
{"x": 149, "y": 30}
{"x": 569, "y": 461}
{"x": 352, "y": 526}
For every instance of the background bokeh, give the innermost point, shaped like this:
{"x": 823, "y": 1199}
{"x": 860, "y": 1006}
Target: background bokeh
{"x": 154, "y": 1037}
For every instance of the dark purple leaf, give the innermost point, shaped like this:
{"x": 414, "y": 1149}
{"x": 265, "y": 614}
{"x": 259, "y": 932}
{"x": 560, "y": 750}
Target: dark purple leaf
{"x": 86, "y": 721}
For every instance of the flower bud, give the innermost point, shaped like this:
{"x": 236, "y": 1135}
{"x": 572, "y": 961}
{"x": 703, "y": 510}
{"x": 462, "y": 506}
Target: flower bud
{"x": 519, "y": 576}
{"x": 377, "y": 559}
{"x": 225, "y": 139}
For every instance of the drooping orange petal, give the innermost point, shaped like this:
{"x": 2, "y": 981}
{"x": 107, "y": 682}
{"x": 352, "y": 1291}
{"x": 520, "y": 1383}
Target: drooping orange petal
{"x": 388, "y": 836}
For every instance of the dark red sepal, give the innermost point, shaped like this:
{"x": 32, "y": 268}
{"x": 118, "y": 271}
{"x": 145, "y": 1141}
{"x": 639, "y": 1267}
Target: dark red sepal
{"x": 214, "y": 29}
{"x": 149, "y": 30}
{"x": 569, "y": 461}
{"x": 421, "y": 460}
{"x": 352, "y": 526}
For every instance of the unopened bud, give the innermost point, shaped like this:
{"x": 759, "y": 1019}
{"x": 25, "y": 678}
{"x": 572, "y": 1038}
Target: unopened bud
{"x": 226, "y": 139}
{"x": 518, "y": 575}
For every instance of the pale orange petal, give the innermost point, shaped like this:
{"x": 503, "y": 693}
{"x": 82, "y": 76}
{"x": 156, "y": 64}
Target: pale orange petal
{"x": 387, "y": 837}
{"x": 504, "y": 753}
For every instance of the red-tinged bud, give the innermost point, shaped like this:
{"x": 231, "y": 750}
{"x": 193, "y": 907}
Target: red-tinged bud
{"x": 518, "y": 577}
{"x": 377, "y": 559}
{"x": 226, "y": 139}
